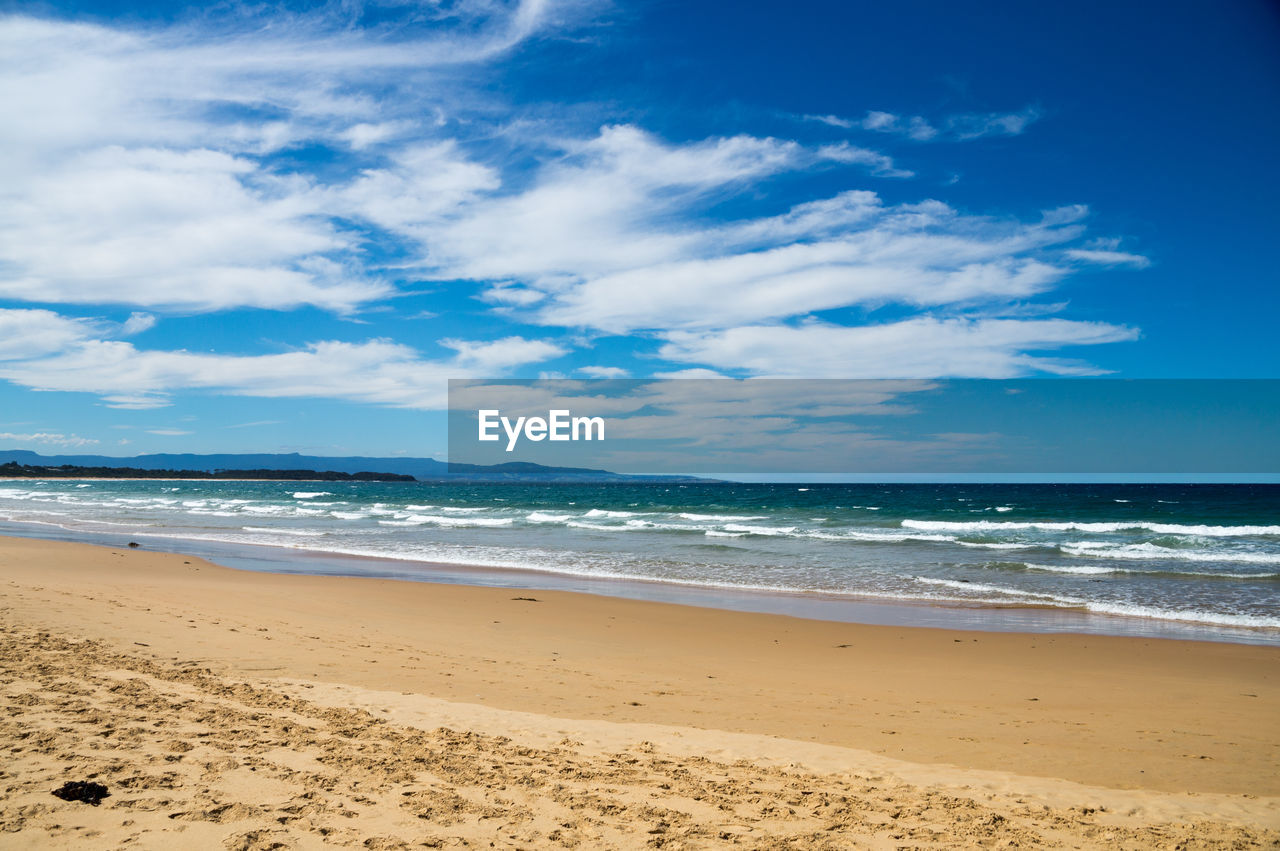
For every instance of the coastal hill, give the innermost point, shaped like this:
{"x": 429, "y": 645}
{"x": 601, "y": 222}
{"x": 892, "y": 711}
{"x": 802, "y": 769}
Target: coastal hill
{"x": 12, "y": 469}
{"x": 295, "y": 466}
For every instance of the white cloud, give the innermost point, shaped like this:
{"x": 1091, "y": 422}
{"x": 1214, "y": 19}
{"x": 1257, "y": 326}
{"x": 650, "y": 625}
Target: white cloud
{"x": 137, "y": 323}
{"x": 50, "y": 352}
{"x": 501, "y": 355}
{"x": 31, "y": 333}
{"x": 879, "y": 164}
{"x": 979, "y": 125}
{"x": 168, "y": 432}
{"x": 913, "y": 348}
{"x": 167, "y": 229}
{"x": 48, "y": 438}
{"x": 505, "y": 294}
{"x": 832, "y": 121}
{"x": 135, "y": 173}
{"x": 363, "y": 135}
{"x": 696, "y": 372}
{"x": 619, "y": 201}
{"x": 1108, "y": 258}
{"x": 914, "y": 127}
{"x": 854, "y": 251}
{"x": 604, "y": 371}
{"x": 149, "y": 169}
{"x": 960, "y": 127}
{"x": 79, "y": 84}
{"x": 419, "y": 186}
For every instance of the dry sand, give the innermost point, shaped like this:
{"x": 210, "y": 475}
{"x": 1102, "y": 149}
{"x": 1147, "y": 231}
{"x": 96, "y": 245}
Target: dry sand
{"x": 224, "y": 708}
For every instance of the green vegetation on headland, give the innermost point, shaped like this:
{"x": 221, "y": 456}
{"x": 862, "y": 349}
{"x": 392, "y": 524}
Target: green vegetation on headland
{"x": 76, "y": 471}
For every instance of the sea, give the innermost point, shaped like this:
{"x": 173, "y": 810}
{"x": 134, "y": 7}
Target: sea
{"x": 1161, "y": 560}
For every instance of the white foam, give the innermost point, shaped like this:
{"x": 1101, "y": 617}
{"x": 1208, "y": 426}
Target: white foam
{"x": 996, "y": 589}
{"x": 1101, "y": 549}
{"x": 578, "y": 524}
{"x": 310, "y": 494}
{"x": 546, "y": 517}
{"x": 1134, "y": 525}
{"x": 996, "y": 545}
{"x": 1081, "y": 569}
{"x": 1191, "y": 616}
{"x": 349, "y": 515}
{"x": 1098, "y": 570}
{"x": 890, "y": 536}
{"x": 651, "y": 524}
{"x": 441, "y": 520}
{"x": 297, "y": 533}
{"x": 601, "y": 512}
{"x": 1114, "y": 608}
{"x": 768, "y": 531}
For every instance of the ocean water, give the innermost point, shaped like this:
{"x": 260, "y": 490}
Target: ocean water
{"x": 1206, "y": 555}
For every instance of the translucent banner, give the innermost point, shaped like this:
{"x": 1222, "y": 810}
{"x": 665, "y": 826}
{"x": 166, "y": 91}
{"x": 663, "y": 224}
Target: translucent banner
{"x": 721, "y": 427}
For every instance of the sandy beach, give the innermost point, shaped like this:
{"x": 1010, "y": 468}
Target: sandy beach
{"x": 226, "y": 708}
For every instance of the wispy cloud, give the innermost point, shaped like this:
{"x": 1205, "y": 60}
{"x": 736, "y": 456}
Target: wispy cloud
{"x": 48, "y": 438}
{"x": 913, "y": 348}
{"x": 1108, "y": 258}
{"x": 138, "y": 173}
{"x": 978, "y": 125}
{"x": 378, "y": 372}
{"x": 137, "y": 323}
{"x": 958, "y": 127}
{"x": 843, "y": 251}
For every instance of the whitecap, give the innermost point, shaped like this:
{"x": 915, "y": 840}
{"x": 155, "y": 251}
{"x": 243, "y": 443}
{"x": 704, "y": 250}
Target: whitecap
{"x": 1134, "y": 525}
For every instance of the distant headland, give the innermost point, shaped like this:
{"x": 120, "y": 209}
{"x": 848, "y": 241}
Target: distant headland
{"x": 21, "y": 463}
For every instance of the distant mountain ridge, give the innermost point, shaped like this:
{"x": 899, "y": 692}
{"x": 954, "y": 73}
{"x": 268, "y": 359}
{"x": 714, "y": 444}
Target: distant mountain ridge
{"x": 422, "y": 469}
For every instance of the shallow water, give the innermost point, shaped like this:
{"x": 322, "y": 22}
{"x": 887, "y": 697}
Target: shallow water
{"x": 1199, "y": 555}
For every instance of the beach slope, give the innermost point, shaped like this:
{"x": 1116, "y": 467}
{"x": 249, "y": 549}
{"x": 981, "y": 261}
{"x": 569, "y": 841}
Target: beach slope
{"x": 224, "y": 708}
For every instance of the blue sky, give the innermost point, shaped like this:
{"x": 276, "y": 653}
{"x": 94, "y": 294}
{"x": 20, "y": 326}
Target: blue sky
{"x": 284, "y": 227}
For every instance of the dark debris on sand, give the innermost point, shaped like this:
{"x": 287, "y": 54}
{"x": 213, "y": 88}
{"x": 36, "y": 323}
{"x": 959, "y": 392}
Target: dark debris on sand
{"x": 80, "y": 790}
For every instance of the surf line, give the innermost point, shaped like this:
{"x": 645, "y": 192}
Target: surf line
{"x": 559, "y": 424}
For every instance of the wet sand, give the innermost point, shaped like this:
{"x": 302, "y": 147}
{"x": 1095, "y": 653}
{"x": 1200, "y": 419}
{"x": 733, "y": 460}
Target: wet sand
{"x": 225, "y": 707}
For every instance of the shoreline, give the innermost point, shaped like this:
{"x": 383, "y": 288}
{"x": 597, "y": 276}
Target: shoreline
{"x": 851, "y": 608}
{"x": 1138, "y": 732}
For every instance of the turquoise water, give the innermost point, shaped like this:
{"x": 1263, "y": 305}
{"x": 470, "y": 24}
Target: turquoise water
{"x": 1192, "y": 554}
